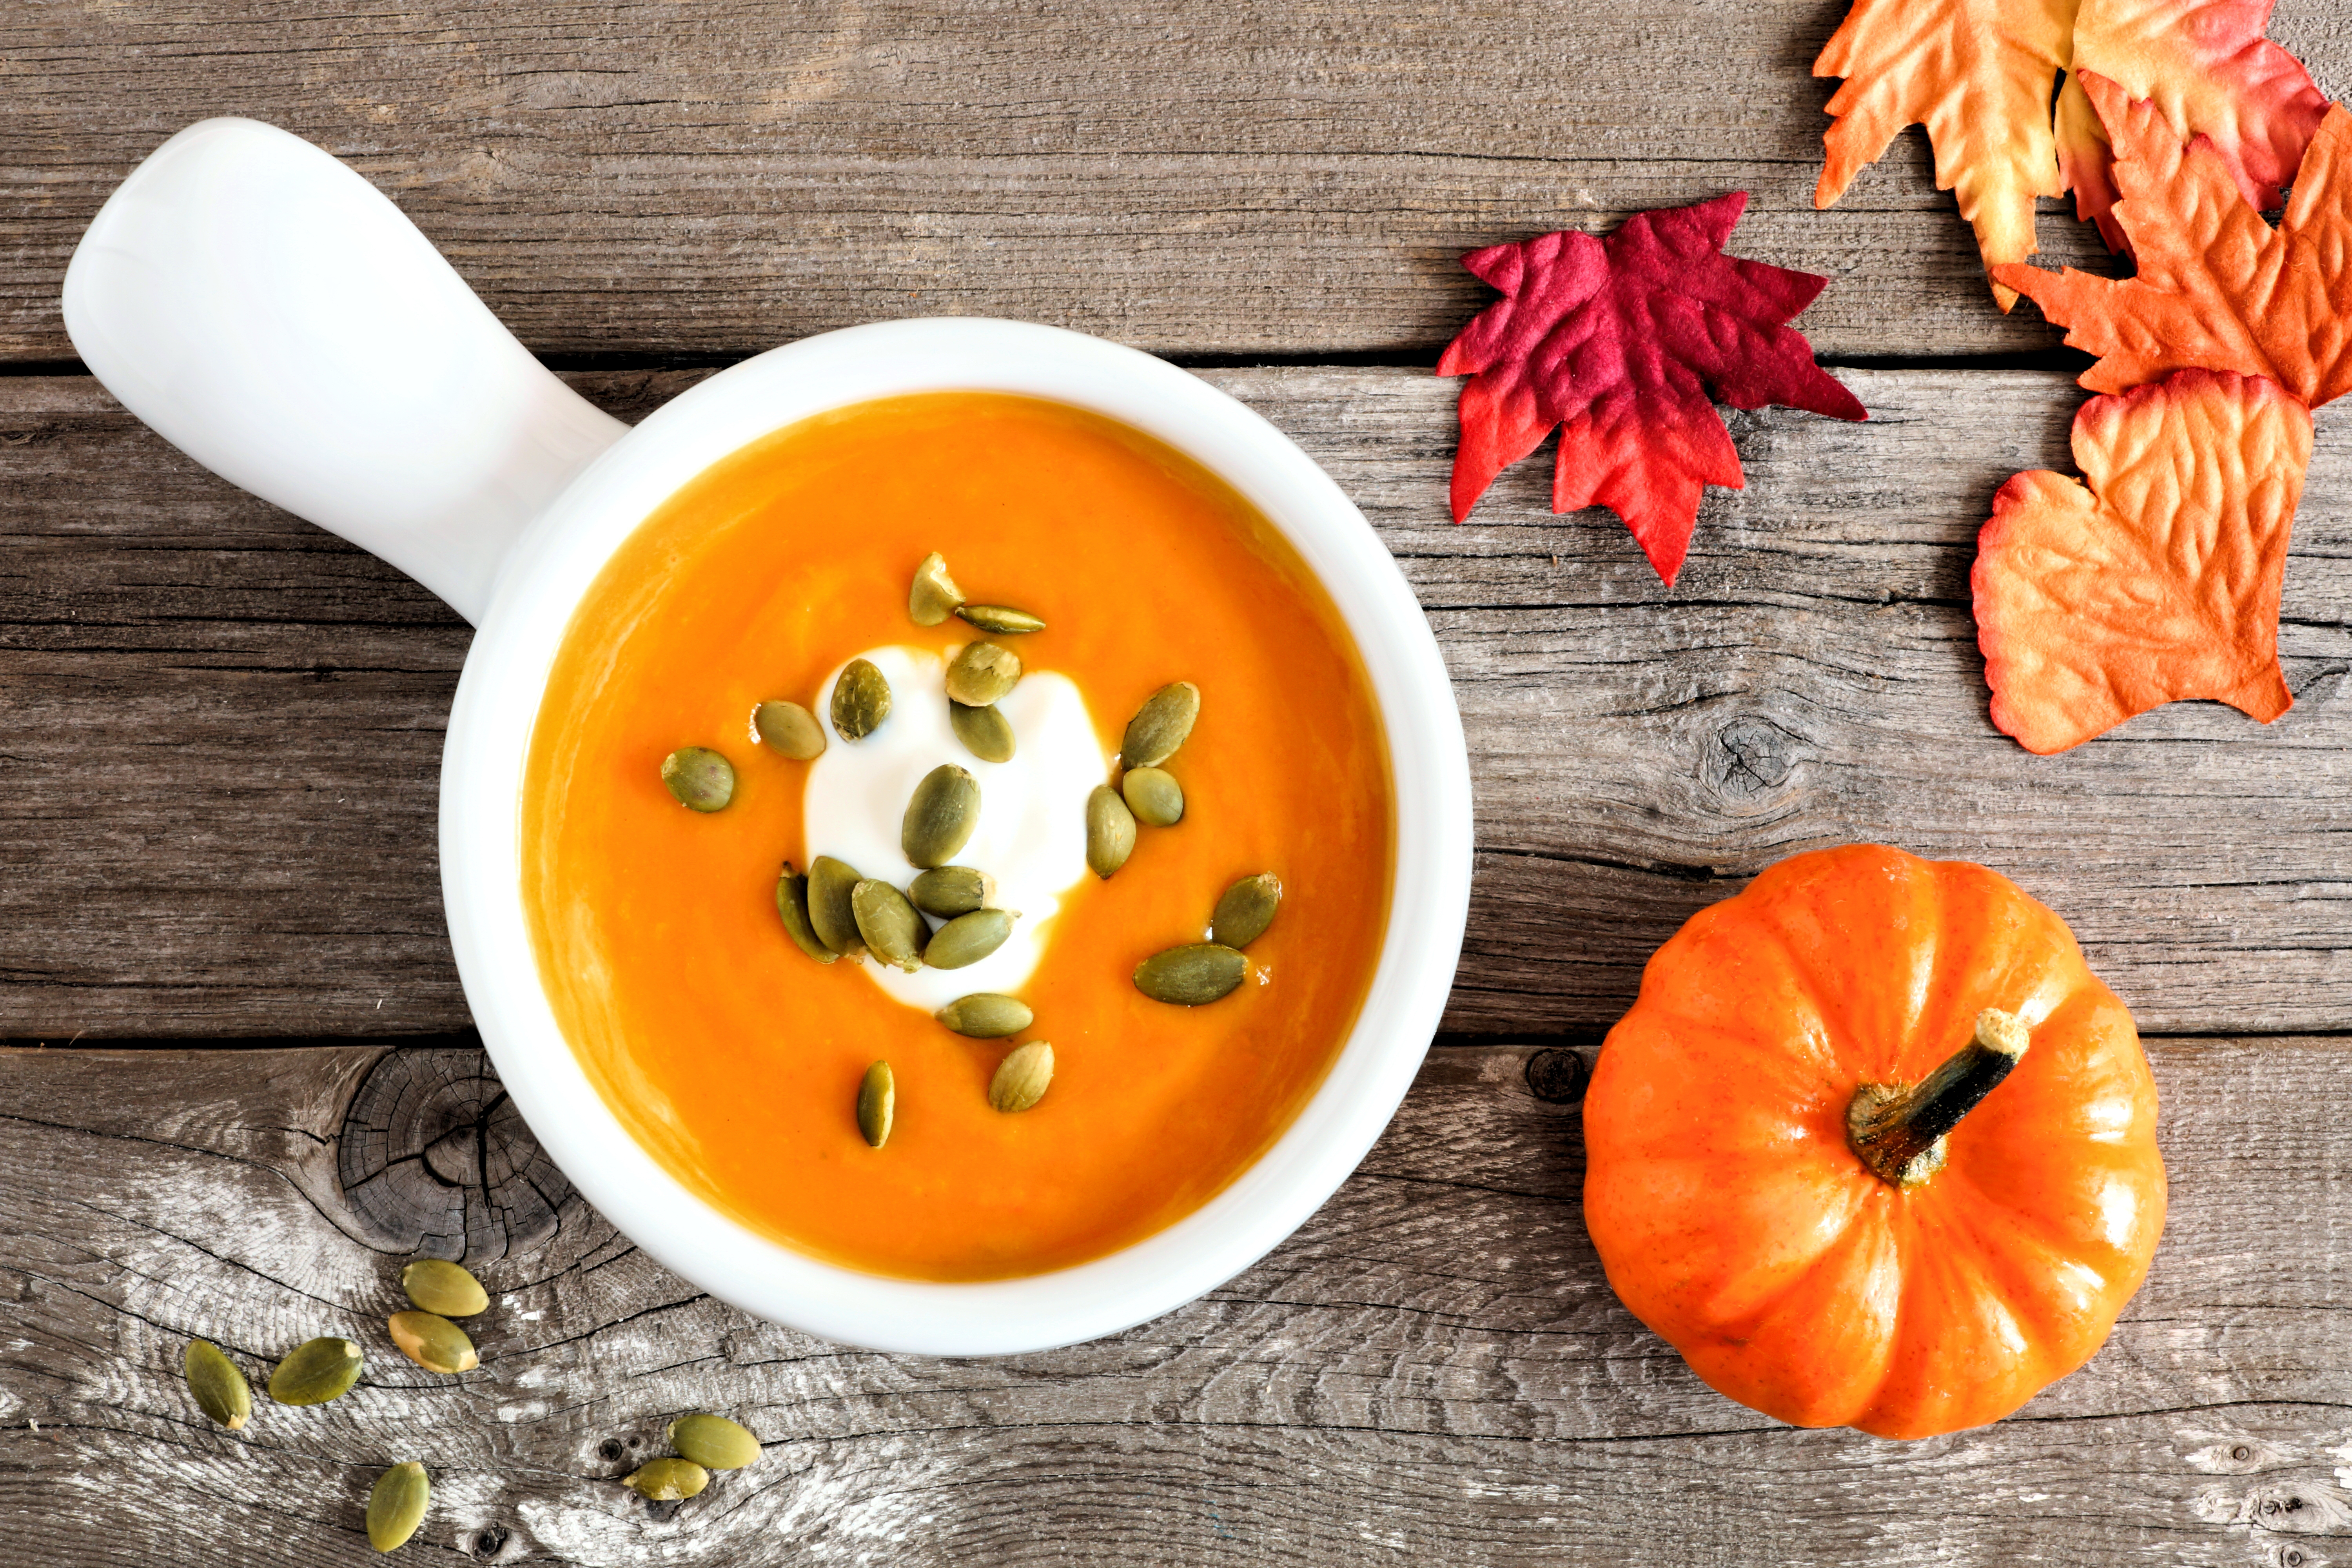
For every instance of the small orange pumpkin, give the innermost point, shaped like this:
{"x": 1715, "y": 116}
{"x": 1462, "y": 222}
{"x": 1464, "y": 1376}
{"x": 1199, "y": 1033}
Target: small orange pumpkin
{"x": 1780, "y": 1181}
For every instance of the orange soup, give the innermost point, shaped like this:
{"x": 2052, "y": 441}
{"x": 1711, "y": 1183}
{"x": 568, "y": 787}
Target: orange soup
{"x": 736, "y": 1058}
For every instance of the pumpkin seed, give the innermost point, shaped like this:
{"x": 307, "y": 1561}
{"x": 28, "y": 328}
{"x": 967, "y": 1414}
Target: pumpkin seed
{"x": 952, "y": 891}
{"x": 893, "y": 931}
{"x": 986, "y": 733}
{"x": 968, "y": 939}
{"x": 1001, "y": 618}
{"x": 986, "y": 1015}
{"x": 1110, "y": 831}
{"x": 789, "y": 730}
{"x": 1188, "y": 976}
{"x": 396, "y": 1505}
{"x": 1160, "y": 725}
{"x": 981, "y": 673}
{"x": 861, "y": 699}
{"x": 433, "y": 1343}
{"x": 831, "y": 915}
{"x": 934, "y": 595}
{"x": 667, "y": 1480}
{"x": 436, "y": 1285}
{"x": 940, "y": 816}
{"x": 220, "y": 1389}
{"x": 793, "y": 906}
{"x": 878, "y": 1099}
{"x": 1245, "y": 910}
{"x": 714, "y": 1442}
{"x": 1155, "y": 797}
{"x": 1021, "y": 1077}
{"x": 699, "y": 778}
{"x": 317, "y": 1370}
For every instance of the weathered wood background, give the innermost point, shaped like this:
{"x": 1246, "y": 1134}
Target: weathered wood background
{"x": 219, "y": 731}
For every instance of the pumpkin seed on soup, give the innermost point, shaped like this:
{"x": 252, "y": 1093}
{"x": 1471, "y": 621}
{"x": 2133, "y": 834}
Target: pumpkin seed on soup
{"x": 1245, "y": 910}
{"x": 699, "y": 778}
{"x": 436, "y": 1285}
{"x": 667, "y": 1480}
{"x": 940, "y": 816}
{"x": 433, "y": 1342}
{"x": 793, "y": 907}
{"x": 830, "y": 884}
{"x": 396, "y": 1505}
{"x": 1001, "y": 618}
{"x": 1021, "y": 1078}
{"x": 934, "y": 597}
{"x": 986, "y": 1015}
{"x": 220, "y": 1389}
{"x": 1155, "y": 797}
{"x": 861, "y": 699}
{"x": 891, "y": 929}
{"x": 981, "y": 673}
{"x": 968, "y": 939}
{"x": 317, "y": 1371}
{"x": 788, "y": 730}
{"x": 1110, "y": 831}
{"x": 952, "y": 891}
{"x": 1191, "y": 975}
{"x": 1163, "y": 723}
{"x": 714, "y": 1442}
{"x": 878, "y": 1101}
{"x": 986, "y": 733}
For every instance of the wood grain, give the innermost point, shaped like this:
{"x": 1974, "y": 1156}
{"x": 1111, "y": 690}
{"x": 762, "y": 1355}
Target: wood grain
{"x": 1433, "y": 1370}
{"x": 719, "y": 176}
{"x": 217, "y": 784}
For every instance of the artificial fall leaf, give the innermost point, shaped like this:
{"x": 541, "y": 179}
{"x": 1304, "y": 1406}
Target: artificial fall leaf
{"x": 2158, "y": 583}
{"x": 2208, "y": 70}
{"x": 2218, "y": 287}
{"x": 1978, "y": 74}
{"x": 1620, "y": 342}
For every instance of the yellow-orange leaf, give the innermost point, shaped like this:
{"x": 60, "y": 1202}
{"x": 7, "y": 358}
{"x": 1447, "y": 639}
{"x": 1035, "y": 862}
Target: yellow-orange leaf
{"x": 2159, "y": 582}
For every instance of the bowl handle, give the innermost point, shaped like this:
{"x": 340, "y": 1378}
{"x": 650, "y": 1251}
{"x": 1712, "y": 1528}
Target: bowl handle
{"x": 273, "y": 316}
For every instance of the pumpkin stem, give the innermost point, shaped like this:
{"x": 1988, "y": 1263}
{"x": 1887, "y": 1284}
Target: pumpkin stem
{"x": 1897, "y": 1130}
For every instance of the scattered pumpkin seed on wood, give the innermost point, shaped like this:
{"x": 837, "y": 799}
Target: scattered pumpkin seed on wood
{"x": 220, "y": 1389}
{"x": 1155, "y": 797}
{"x": 667, "y": 1480}
{"x": 714, "y": 1442}
{"x": 317, "y": 1371}
{"x": 437, "y": 1285}
{"x": 892, "y": 931}
{"x": 788, "y": 730}
{"x": 1021, "y": 1078}
{"x": 793, "y": 907}
{"x": 1244, "y": 910}
{"x": 433, "y": 1342}
{"x": 831, "y": 916}
{"x": 981, "y": 673}
{"x": 1110, "y": 831}
{"x": 986, "y": 733}
{"x": 1002, "y": 618}
{"x": 952, "y": 891}
{"x": 699, "y": 778}
{"x": 986, "y": 1015}
{"x": 1190, "y": 975}
{"x": 861, "y": 699}
{"x": 940, "y": 818}
{"x": 968, "y": 939}
{"x": 1163, "y": 723}
{"x": 877, "y": 1103}
{"x": 933, "y": 597}
{"x": 396, "y": 1505}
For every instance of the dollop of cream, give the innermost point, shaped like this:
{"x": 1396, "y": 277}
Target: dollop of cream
{"x": 1031, "y": 833}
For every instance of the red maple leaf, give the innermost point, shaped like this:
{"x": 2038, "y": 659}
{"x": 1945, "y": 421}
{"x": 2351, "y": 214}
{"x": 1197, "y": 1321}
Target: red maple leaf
{"x": 1624, "y": 342}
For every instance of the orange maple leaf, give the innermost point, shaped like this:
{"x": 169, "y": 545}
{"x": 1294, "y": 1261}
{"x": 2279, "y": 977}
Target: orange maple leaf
{"x": 2158, "y": 583}
{"x": 2208, "y": 70}
{"x": 2218, "y": 287}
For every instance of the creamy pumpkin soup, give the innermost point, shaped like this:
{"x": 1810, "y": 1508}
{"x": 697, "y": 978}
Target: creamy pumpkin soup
{"x": 929, "y": 987}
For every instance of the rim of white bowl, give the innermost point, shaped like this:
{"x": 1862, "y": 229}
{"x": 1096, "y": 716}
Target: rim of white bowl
{"x": 488, "y": 741}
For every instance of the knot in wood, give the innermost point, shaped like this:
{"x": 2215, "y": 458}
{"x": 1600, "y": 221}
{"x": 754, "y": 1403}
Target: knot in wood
{"x": 1556, "y": 1075}
{"x": 436, "y": 1161}
{"x": 1751, "y": 757}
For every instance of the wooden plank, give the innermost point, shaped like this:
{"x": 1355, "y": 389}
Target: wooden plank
{"x": 218, "y": 790}
{"x": 1432, "y": 1370}
{"x": 717, "y": 178}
